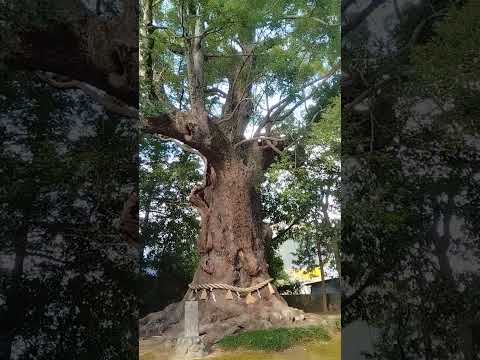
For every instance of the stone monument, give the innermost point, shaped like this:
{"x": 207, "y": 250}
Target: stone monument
{"x": 190, "y": 346}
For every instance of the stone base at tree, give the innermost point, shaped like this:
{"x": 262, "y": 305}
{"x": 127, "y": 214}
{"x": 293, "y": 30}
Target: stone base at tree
{"x": 187, "y": 348}
{"x": 220, "y": 319}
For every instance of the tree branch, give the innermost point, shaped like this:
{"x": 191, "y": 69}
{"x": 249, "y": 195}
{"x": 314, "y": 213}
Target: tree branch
{"x": 183, "y": 146}
{"x": 275, "y": 112}
{"x": 195, "y": 62}
{"x": 109, "y": 102}
{"x": 191, "y": 129}
{"x": 295, "y": 17}
{"x": 273, "y": 147}
{"x": 365, "y": 93}
{"x": 257, "y": 138}
{"x": 370, "y": 280}
{"x": 287, "y": 229}
{"x": 167, "y": 125}
{"x": 217, "y": 91}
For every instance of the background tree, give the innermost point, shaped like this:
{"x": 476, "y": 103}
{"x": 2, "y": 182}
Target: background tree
{"x": 312, "y": 185}
{"x": 168, "y": 225}
{"x": 409, "y": 178}
{"x": 68, "y": 267}
{"x": 64, "y": 266}
{"x": 231, "y": 77}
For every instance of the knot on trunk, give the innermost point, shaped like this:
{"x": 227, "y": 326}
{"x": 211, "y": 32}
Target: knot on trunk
{"x": 201, "y": 195}
{"x": 208, "y": 266}
{"x": 197, "y": 197}
{"x": 249, "y": 263}
{"x": 194, "y": 127}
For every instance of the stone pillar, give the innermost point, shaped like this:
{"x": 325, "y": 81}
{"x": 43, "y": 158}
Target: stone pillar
{"x": 190, "y": 345}
{"x": 191, "y": 319}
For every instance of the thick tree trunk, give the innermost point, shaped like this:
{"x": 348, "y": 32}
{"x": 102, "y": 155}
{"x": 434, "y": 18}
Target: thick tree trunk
{"x": 231, "y": 246}
{"x": 441, "y": 243}
{"x": 425, "y": 327}
{"x": 321, "y": 262}
{"x": 232, "y": 239}
{"x": 334, "y": 241}
{"x": 338, "y": 260}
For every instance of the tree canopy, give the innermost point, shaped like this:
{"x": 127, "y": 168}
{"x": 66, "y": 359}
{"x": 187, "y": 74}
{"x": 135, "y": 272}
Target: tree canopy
{"x": 255, "y": 60}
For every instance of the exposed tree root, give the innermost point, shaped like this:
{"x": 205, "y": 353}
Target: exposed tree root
{"x": 218, "y": 320}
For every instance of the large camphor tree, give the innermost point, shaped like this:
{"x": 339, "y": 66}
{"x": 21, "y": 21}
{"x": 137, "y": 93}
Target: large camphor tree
{"x": 228, "y": 80}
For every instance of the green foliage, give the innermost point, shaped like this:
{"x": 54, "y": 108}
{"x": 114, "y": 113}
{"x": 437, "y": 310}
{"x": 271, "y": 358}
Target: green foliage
{"x": 292, "y": 41}
{"x": 67, "y": 169}
{"x": 275, "y": 262}
{"x": 295, "y": 188}
{"x": 275, "y": 339}
{"x": 169, "y": 226}
{"x": 326, "y": 131}
{"x": 289, "y": 287}
{"x": 455, "y": 38}
{"x": 418, "y": 173}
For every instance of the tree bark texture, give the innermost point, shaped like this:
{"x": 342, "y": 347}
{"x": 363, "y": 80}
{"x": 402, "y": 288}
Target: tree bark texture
{"x": 150, "y": 43}
{"x": 232, "y": 239}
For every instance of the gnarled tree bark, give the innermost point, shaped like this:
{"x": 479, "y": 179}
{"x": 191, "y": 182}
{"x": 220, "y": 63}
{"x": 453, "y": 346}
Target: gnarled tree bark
{"x": 232, "y": 240}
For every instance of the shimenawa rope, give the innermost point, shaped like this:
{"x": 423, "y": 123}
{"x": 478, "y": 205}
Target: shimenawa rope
{"x": 230, "y": 287}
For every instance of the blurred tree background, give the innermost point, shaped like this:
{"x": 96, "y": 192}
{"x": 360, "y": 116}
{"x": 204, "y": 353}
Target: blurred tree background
{"x": 410, "y": 138}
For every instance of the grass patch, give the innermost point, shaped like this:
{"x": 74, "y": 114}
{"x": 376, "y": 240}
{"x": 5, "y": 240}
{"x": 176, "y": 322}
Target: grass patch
{"x": 273, "y": 339}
